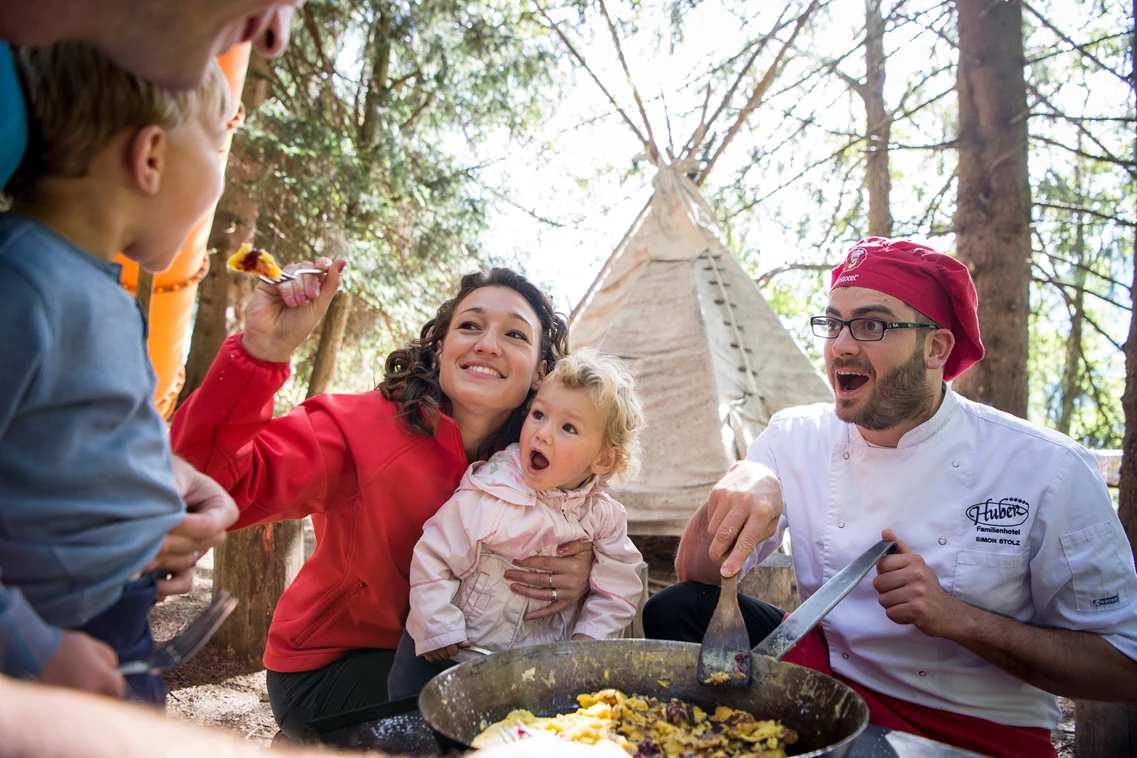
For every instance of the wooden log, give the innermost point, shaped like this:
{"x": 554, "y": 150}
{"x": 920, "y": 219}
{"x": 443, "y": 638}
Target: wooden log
{"x": 1104, "y": 730}
{"x": 256, "y": 565}
{"x": 773, "y": 581}
{"x": 331, "y": 337}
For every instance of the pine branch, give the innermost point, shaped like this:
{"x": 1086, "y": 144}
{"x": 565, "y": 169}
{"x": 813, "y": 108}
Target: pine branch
{"x": 764, "y": 279}
{"x": 1080, "y": 48}
{"x": 1068, "y": 286}
{"x": 1128, "y": 165}
{"x": 800, "y": 174}
{"x": 1082, "y": 130}
{"x": 1089, "y": 270}
{"x": 1088, "y": 212}
{"x": 759, "y": 91}
{"x": 704, "y": 125}
{"x": 1091, "y": 119}
{"x": 1092, "y": 43}
{"x": 937, "y": 201}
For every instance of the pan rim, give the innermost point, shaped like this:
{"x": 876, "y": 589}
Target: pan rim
{"x": 854, "y": 704}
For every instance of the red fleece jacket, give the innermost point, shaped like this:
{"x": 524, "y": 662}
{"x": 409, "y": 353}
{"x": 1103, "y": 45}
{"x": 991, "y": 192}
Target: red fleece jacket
{"x": 367, "y": 481}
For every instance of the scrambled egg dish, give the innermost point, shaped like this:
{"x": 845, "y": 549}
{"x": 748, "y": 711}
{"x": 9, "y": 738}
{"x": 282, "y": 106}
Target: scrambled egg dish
{"x": 255, "y": 261}
{"x": 645, "y": 726}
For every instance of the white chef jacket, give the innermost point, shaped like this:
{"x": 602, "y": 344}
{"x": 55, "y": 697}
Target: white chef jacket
{"x": 1012, "y": 518}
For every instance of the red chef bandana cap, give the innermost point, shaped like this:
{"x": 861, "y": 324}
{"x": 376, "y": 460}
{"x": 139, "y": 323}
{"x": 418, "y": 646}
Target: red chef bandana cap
{"x": 935, "y": 284}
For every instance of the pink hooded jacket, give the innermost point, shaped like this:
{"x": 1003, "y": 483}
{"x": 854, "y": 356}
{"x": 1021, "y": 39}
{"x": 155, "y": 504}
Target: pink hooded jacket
{"x": 458, "y": 588}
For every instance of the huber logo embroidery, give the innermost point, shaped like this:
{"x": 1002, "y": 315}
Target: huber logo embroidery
{"x": 998, "y": 517}
{"x": 856, "y": 257}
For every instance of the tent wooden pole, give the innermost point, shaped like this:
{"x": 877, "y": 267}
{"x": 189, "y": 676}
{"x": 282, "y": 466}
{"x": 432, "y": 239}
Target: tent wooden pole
{"x": 756, "y": 96}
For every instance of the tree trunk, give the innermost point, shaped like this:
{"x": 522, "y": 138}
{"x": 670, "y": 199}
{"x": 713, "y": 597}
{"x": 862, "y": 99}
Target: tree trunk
{"x": 1072, "y": 373}
{"x": 331, "y": 337}
{"x": 256, "y": 565}
{"x": 233, "y": 225}
{"x": 1127, "y": 495}
{"x": 992, "y": 219}
{"x": 209, "y": 325}
{"x": 1109, "y": 729}
{"x": 878, "y": 125}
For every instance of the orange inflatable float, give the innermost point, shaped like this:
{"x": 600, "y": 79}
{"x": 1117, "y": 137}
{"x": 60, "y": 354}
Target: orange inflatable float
{"x": 174, "y": 290}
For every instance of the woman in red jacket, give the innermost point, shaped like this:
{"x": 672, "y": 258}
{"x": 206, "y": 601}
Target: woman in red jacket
{"x": 370, "y": 469}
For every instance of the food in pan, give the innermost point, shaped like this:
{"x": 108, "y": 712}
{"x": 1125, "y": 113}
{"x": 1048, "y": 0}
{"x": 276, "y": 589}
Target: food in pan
{"x": 646, "y": 727}
{"x": 721, "y": 676}
{"x": 253, "y": 260}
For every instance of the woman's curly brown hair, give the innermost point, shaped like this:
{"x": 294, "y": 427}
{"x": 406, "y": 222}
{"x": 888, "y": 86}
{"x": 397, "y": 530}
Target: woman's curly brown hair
{"x": 411, "y": 378}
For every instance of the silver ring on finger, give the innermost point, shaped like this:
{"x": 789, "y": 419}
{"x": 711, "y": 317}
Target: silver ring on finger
{"x": 554, "y": 591}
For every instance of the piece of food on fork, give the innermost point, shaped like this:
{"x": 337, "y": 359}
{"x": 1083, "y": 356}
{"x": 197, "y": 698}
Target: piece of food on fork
{"x": 253, "y": 260}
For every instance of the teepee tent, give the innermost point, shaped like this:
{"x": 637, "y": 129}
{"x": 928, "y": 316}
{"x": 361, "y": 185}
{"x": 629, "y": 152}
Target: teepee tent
{"x": 712, "y": 361}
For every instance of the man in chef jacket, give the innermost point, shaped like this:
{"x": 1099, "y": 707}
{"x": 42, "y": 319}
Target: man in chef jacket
{"x": 1014, "y": 580}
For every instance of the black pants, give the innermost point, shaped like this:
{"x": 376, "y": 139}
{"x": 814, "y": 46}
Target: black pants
{"x": 683, "y": 611}
{"x": 357, "y": 680}
{"x": 125, "y": 626}
{"x": 410, "y": 673}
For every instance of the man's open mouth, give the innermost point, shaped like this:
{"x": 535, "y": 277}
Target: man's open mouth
{"x": 538, "y": 461}
{"x": 850, "y": 382}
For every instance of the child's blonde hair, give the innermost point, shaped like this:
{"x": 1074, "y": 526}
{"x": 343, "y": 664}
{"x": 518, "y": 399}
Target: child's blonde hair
{"x": 78, "y": 100}
{"x": 608, "y": 382}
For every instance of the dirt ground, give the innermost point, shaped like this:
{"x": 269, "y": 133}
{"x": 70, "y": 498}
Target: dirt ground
{"x": 213, "y": 691}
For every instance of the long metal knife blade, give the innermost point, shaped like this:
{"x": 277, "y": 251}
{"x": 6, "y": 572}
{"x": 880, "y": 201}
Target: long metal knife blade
{"x": 810, "y": 613}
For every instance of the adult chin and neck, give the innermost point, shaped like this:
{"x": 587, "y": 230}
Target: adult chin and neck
{"x": 904, "y": 398}
{"x": 478, "y": 428}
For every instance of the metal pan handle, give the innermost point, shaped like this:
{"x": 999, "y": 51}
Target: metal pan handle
{"x": 810, "y": 613}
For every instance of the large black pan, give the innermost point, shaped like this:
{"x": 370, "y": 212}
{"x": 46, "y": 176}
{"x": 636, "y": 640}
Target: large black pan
{"x": 827, "y": 714}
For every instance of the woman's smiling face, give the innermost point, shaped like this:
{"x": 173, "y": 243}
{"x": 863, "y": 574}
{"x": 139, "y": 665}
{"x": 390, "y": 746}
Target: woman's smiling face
{"x": 490, "y": 356}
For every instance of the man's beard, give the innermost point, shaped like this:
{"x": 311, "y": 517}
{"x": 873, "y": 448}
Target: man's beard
{"x": 898, "y": 396}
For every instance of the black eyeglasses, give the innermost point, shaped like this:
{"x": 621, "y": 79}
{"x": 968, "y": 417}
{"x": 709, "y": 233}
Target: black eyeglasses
{"x": 862, "y": 329}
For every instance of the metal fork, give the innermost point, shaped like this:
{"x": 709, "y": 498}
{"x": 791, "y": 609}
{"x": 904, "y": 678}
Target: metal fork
{"x": 292, "y": 276}
{"x": 191, "y": 639}
{"x": 508, "y": 735}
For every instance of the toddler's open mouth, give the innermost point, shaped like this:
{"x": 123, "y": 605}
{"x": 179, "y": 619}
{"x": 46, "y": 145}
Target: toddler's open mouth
{"x": 538, "y": 461}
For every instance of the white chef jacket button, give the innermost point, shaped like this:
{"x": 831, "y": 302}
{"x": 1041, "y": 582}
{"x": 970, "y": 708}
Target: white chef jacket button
{"x": 923, "y": 673}
{"x": 943, "y": 541}
{"x": 840, "y": 524}
{"x": 955, "y": 464}
{"x": 845, "y": 456}
{"x": 845, "y": 656}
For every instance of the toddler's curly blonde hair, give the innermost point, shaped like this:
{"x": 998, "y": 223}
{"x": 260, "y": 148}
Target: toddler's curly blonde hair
{"x": 609, "y": 384}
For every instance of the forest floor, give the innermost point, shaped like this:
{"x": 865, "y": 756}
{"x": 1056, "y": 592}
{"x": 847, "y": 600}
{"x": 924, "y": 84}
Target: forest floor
{"x": 214, "y": 691}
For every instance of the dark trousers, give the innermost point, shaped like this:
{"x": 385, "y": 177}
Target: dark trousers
{"x": 357, "y": 680}
{"x": 410, "y": 673}
{"x": 125, "y": 626}
{"x": 683, "y": 611}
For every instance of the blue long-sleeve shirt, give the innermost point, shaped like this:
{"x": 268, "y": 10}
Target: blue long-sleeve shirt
{"x": 13, "y": 121}
{"x": 86, "y": 488}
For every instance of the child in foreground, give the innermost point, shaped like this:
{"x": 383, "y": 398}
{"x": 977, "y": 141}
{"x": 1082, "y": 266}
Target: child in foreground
{"x": 549, "y": 489}
{"x": 87, "y": 492}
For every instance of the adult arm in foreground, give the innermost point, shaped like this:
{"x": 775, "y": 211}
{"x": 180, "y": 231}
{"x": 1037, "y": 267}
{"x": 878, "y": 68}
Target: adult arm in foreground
{"x": 1073, "y": 664}
{"x": 97, "y": 727}
{"x": 741, "y": 512}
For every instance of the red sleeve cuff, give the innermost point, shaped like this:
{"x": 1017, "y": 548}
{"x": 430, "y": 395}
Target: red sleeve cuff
{"x": 237, "y": 342}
